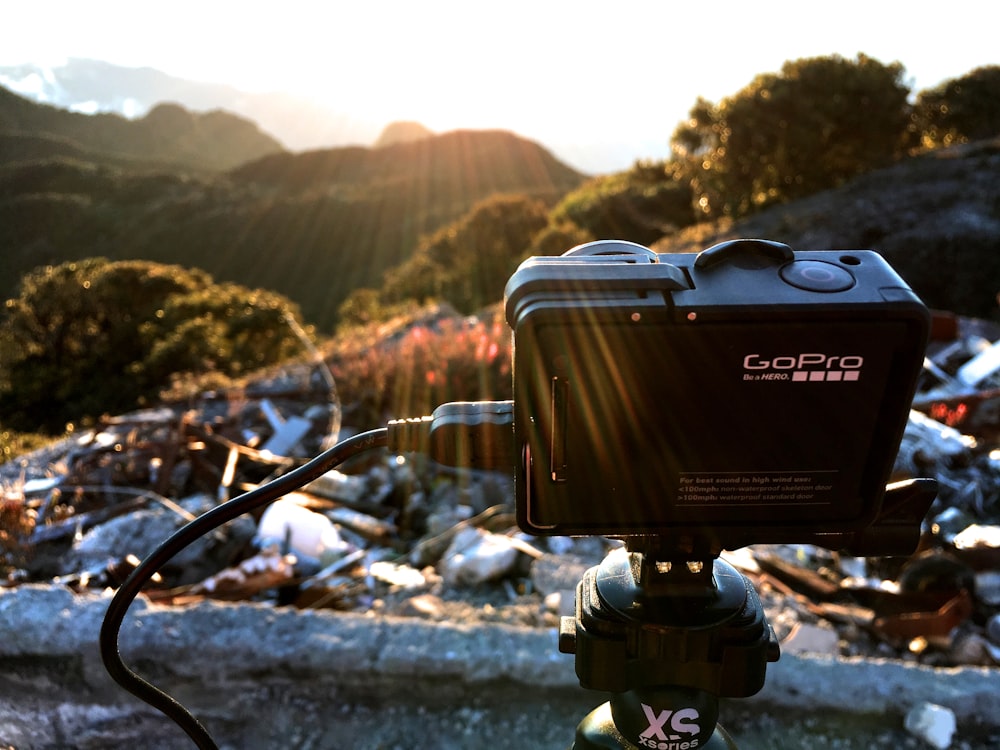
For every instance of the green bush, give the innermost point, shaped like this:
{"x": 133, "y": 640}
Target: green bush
{"x": 91, "y": 337}
{"x": 467, "y": 263}
{"x": 960, "y": 110}
{"x": 818, "y": 123}
{"x": 641, "y": 205}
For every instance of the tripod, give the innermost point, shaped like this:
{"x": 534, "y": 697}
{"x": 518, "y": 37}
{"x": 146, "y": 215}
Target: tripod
{"x": 668, "y": 637}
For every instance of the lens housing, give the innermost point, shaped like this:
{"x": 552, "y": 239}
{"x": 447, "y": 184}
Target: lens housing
{"x": 817, "y": 276}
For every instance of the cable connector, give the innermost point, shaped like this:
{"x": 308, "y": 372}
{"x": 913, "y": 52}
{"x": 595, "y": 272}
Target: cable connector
{"x": 462, "y": 434}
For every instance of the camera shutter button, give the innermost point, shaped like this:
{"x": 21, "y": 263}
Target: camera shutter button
{"x": 817, "y": 276}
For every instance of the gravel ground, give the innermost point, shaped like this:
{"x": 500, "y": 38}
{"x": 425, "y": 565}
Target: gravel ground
{"x": 294, "y": 717}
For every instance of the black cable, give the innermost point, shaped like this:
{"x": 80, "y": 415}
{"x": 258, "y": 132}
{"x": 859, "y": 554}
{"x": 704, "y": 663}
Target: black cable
{"x": 184, "y": 536}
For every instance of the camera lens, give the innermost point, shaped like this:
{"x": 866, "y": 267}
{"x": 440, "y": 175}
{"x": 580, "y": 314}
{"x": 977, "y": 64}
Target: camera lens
{"x": 817, "y": 276}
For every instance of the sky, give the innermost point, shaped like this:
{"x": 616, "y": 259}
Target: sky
{"x": 622, "y": 71}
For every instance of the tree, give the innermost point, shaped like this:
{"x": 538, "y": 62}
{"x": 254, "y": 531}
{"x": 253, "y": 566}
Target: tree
{"x": 960, "y": 110}
{"x": 96, "y": 336}
{"x": 818, "y": 123}
{"x": 557, "y": 238}
{"x": 468, "y": 262}
{"x": 641, "y": 204}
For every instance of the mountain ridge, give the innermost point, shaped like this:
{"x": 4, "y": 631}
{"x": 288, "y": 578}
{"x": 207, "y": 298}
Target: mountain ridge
{"x": 313, "y": 226}
{"x": 300, "y": 123}
{"x": 93, "y": 86}
{"x": 167, "y": 134}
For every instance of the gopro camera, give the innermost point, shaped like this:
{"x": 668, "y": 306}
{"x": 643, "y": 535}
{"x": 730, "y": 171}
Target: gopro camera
{"x": 745, "y": 394}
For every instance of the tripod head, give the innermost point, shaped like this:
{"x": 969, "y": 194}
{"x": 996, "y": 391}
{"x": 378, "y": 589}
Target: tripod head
{"x": 668, "y": 637}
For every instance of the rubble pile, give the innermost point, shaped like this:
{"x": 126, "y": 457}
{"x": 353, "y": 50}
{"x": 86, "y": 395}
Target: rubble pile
{"x": 397, "y": 535}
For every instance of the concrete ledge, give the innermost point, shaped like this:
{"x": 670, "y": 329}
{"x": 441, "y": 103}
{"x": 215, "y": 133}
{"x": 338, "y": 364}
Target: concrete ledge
{"x": 210, "y": 652}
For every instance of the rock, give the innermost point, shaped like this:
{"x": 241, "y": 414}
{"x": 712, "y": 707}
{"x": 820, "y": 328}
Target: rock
{"x": 806, "y": 638}
{"x": 993, "y": 629}
{"x": 306, "y": 533}
{"x": 932, "y": 723}
{"x": 339, "y": 486}
{"x": 988, "y": 587}
{"x": 428, "y": 606}
{"x": 476, "y": 556}
{"x": 142, "y": 531}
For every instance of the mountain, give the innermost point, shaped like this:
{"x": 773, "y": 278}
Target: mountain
{"x": 300, "y": 123}
{"x": 314, "y": 226}
{"x": 447, "y": 167}
{"x": 167, "y": 135}
{"x": 93, "y": 86}
{"x": 402, "y": 132}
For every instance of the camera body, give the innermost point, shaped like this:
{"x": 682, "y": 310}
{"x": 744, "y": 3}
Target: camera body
{"x": 744, "y": 394}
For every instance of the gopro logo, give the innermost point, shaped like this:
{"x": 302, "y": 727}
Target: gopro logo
{"x": 670, "y": 730}
{"x": 806, "y": 367}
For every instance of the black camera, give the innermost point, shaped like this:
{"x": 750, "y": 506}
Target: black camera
{"x": 744, "y": 394}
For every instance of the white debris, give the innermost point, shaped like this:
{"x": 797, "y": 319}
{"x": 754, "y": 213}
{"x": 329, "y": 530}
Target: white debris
{"x": 306, "y": 533}
{"x": 336, "y": 485}
{"x": 402, "y": 576}
{"x": 287, "y": 436}
{"x": 475, "y": 556}
{"x": 977, "y": 372}
{"x": 978, "y": 536}
{"x": 933, "y": 438}
{"x": 933, "y": 723}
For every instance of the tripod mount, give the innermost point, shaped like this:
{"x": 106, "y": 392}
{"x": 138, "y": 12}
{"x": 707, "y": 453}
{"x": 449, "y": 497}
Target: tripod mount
{"x": 667, "y": 637}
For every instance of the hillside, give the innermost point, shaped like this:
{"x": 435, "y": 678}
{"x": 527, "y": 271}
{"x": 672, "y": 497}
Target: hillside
{"x": 935, "y": 217}
{"x": 313, "y": 226}
{"x": 481, "y": 162}
{"x": 81, "y": 84}
{"x": 167, "y": 135}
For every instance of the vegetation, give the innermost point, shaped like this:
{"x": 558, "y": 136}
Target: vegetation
{"x": 641, "y": 204}
{"x": 468, "y": 262}
{"x": 422, "y": 358}
{"x": 960, "y": 110}
{"x": 167, "y": 135}
{"x": 313, "y": 227}
{"x": 365, "y": 236}
{"x": 84, "y": 338}
{"x": 815, "y": 125}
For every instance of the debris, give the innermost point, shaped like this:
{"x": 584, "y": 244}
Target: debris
{"x": 395, "y": 535}
{"x": 806, "y": 638}
{"x": 476, "y": 556}
{"x": 988, "y": 587}
{"x": 980, "y": 371}
{"x": 932, "y": 723}
{"x": 372, "y": 529}
{"x": 400, "y": 576}
{"x": 993, "y": 629}
{"x": 265, "y": 570}
{"x": 937, "y": 624}
{"x": 289, "y": 525}
{"x": 336, "y": 485}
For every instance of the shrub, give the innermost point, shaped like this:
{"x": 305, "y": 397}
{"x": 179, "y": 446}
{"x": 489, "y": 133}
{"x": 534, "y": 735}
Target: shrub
{"x": 818, "y": 123}
{"x": 641, "y": 205}
{"x": 95, "y": 336}
{"x": 960, "y": 110}
{"x": 426, "y": 361}
{"x": 468, "y": 262}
